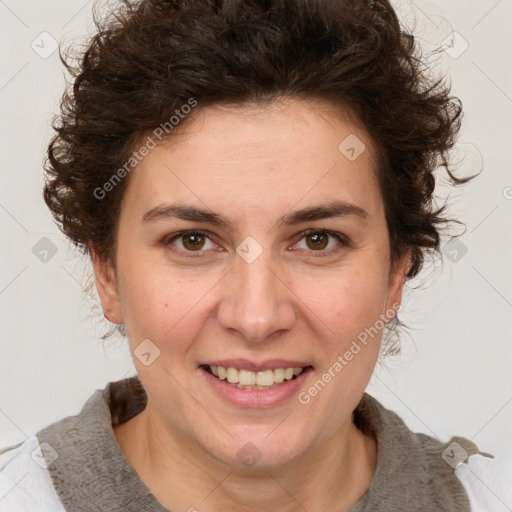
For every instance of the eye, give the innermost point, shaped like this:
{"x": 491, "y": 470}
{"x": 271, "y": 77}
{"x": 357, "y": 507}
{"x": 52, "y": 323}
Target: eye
{"x": 191, "y": 241}
{"x": 194, "y": 241}
{"x": 318, "y": 239}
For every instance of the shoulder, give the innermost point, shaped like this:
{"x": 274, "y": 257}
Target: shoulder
{"x": 62, "y": 465}
{"x": 25, "y": 483}
{"x": 428, "y": 473}
{"x": 487, "y": 481}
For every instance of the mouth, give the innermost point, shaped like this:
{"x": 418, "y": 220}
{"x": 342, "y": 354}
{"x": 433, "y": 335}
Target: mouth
{"x": 264, "y": 379}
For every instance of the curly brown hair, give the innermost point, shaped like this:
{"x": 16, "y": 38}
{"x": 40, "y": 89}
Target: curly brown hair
{"x": 149, "y": 58}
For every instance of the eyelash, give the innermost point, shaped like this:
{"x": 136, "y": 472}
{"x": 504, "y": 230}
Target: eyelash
{"x": 194, "y": 254}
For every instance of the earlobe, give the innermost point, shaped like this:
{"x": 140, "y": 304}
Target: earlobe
{"x": 396, "y": 284}
{"x": 106, "y": 285}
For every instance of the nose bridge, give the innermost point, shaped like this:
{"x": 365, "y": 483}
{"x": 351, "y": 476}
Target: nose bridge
{"x": 258, "y": 302}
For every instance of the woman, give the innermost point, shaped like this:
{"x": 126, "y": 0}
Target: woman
{"x": 253, "y": 182}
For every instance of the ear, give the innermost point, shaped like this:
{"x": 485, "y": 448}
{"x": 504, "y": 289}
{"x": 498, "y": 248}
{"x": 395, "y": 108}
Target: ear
{"x": 106, "y": 284}
{"x": 397, "y": 280}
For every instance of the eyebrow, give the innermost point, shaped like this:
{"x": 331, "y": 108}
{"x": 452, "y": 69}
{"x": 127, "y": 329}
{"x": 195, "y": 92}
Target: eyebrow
{"x": 335, "y": 209}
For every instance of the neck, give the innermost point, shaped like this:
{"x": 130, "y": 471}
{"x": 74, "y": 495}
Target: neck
{"x": 339, "y": 470}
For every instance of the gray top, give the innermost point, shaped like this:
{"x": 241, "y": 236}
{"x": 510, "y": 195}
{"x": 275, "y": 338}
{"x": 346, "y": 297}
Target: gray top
{"x": 91, "y": 472}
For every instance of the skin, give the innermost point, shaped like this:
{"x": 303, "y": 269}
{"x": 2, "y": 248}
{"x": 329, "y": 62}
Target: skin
{"x": 252, "y": 164}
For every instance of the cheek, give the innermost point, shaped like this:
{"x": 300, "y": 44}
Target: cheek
{"x": 160, "y": 304}
{"x": 347, "y": 301}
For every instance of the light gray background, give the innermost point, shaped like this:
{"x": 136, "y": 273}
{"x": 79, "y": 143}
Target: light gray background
{"x": 454, "y": 373}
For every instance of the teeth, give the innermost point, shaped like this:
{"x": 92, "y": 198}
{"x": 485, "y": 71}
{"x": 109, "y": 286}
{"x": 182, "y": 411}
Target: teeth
{"x": 288, "y": 373}
{"x": 246, "y": 379}
{"x": 265, "y": 378}
{"x": 233, "y": 375}
{"x": 279, "y": 375}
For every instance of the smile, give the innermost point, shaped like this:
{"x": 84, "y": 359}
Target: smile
{"x": 247, "y": 379}
{"x": 255, "y": 384}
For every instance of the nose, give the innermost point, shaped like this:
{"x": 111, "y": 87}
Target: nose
{"x": 257, "y": 302}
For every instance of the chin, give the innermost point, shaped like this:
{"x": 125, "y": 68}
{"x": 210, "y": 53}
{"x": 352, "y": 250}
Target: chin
{"x": 262, "y": 448}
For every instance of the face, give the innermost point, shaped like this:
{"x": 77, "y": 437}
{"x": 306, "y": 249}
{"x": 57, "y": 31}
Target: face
{"x": 287, "y": 266}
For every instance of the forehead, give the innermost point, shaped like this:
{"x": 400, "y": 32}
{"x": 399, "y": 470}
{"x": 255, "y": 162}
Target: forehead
{"x": 287, "y": 128}
{"x": 258, "y": 158}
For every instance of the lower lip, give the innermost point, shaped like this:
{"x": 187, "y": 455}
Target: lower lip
{"x": 256, "y": 398}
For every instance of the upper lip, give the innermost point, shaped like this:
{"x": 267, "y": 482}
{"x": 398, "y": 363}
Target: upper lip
{"x": 257, "y": 366}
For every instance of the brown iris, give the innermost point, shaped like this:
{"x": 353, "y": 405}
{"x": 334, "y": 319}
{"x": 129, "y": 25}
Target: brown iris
{"x": 196, "y": 243}
{"x": 317, "y": 243}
